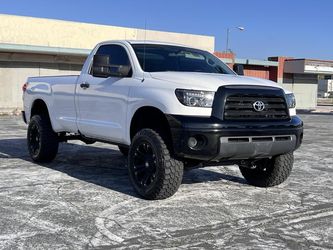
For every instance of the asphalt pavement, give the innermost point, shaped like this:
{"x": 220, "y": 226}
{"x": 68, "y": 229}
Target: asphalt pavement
{"x": 84, "y": 200}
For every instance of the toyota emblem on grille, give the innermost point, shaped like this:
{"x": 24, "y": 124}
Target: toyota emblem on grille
{"x": 259, "y": 106}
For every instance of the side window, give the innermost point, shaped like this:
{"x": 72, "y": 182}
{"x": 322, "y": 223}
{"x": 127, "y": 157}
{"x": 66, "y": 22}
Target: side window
{"x": 117, "y": 53}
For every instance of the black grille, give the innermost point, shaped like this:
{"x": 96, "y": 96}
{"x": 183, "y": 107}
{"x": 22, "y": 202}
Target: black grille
{"x": 240, "y": 107}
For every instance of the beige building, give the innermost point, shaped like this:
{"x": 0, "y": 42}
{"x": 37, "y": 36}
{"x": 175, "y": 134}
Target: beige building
{"x": 39, "y": 47}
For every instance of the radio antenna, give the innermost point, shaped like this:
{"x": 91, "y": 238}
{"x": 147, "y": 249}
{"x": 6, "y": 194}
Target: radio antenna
{"x": 144, "y": 52}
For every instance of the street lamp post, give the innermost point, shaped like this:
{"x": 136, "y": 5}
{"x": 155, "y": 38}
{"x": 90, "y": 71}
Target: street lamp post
{"x": 240, "y": 28}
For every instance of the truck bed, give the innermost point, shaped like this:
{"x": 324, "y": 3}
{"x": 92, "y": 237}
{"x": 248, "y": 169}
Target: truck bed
{"x": 59, "y": 91}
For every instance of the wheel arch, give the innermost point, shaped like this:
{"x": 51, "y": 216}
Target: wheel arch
{"x": 40, "y": 107}
{"x": 150, "y": 117}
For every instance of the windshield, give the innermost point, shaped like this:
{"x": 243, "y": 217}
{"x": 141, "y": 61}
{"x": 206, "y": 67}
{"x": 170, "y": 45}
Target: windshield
{"x": 157, "y": 58}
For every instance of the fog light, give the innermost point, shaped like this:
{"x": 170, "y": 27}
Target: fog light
{"x": 192, "y": 142}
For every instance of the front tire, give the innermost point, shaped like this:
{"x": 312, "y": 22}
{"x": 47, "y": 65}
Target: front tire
{"x": 154, "y": 173}
{"x": 269, "y": 172}
{"x": 42, "y": 141}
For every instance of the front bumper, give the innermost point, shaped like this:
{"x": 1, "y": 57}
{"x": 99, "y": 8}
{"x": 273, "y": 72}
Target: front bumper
{"x": 225, "y": 140}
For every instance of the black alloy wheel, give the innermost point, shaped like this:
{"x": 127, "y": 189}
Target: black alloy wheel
{"x": 144, "y": 165}
{"x": 42, "y": 141}
{"x": 34, "y": 140}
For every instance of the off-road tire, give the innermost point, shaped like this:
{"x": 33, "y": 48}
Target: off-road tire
{"x": 169, "y": 171}
{"x": 47, "y": 143}
{"x": 124, "y": 150}
{"x": 269, "y": 172}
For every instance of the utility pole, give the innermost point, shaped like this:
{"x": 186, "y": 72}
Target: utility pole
{"x": 240, "y": 28}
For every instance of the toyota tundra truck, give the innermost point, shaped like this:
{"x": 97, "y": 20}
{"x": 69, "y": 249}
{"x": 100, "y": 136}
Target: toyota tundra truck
{"x": 167, "y": 107}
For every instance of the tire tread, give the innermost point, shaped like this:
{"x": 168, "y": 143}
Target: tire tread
{"x": 281, "y": 168}
{"x": 171, "y": 178}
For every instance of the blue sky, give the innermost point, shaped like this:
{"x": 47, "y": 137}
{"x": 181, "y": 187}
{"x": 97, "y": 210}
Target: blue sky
{"x": 299, "y": 28}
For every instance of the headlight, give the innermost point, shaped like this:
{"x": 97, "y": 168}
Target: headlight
{"x": 291, "y": 100}
{"x": 195, "y": 98}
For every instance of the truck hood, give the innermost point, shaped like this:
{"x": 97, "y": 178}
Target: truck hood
{"x": 207, "y": 81}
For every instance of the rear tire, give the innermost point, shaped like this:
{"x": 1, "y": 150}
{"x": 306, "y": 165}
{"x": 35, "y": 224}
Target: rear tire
{"x": 154, "y": 173}
{"x": 42, "y": 141}
{"x": 269, "y": 172}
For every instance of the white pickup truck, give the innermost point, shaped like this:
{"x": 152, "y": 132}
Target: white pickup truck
{"x": 167, "y": 107}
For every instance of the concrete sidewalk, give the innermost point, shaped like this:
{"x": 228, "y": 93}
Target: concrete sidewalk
{"x": 320, "y": 109}
{"x": 325, "y": 108}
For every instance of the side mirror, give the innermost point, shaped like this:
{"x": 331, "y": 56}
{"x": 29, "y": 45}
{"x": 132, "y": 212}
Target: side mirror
{"x": 102, "y": 67}
{"x": 124, "y": 70}
{"x": 239, "y": 69}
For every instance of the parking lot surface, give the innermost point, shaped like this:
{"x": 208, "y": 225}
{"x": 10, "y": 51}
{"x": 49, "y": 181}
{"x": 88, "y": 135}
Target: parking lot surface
{"x": 84, "y": 200}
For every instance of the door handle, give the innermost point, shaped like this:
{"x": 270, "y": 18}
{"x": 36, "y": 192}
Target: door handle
{"x": 84, "y": 85}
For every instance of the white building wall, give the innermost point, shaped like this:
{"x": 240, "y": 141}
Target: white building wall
{"x": 14, "y": 74}
{"x": 305, "y": 93}
{"x": 57, "y": 33}
{"x": 16, "y": 67}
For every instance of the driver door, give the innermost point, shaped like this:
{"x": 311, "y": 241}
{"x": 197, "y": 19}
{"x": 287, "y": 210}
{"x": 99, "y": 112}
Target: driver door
{"x": 102, "y": 101}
